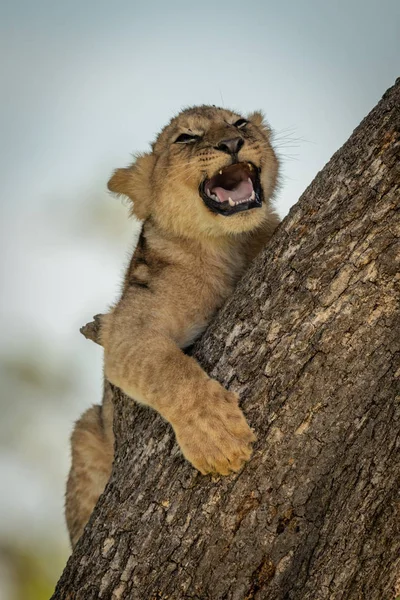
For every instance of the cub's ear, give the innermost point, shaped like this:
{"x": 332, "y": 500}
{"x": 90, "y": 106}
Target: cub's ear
{"x": 135, "y": 183}
{"x": 258, "y": 119}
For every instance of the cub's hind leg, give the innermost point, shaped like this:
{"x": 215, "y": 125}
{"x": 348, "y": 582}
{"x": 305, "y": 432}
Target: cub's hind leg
{"x": 92, "y": 449}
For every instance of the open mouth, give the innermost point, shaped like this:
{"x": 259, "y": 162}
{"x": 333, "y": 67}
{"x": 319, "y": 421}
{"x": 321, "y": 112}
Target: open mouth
{"x": 233, "y": 189}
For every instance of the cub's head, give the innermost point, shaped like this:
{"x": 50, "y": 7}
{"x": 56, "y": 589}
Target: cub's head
{"x": 211, "y": 172}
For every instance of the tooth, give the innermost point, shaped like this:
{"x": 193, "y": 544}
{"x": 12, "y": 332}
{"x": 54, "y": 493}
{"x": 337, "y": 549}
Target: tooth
{"x": 209, "y": 193}
{"x": 250, "y": 181}
{"x": 231, "y": 202}
{"x": 250, "y": 166}
{"x": 253, "y": 195}
{"x": 220, "y": 172}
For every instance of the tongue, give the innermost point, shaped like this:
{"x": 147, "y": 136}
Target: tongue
{"x": 242, "y": 191}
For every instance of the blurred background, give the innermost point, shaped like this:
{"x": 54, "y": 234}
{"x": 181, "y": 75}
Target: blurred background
{"x": 84, "y": 84}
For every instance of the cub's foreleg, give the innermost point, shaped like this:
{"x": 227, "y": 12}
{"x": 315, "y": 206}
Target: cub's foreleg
{"x": 148, "y": 366}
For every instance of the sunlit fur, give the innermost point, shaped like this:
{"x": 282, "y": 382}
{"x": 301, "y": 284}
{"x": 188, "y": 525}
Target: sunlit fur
{"x": 187, "y": 262}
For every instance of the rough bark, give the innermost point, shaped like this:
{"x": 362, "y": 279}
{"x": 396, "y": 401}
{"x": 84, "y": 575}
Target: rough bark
{"x": 311, "y": 341}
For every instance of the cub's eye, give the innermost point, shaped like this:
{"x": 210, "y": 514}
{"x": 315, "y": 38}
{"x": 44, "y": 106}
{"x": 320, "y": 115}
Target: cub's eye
{"x": 186, "y": 138}
{"x": 241, "y": 123}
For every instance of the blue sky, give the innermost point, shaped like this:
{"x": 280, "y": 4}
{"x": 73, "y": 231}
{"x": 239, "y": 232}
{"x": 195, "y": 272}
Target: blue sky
{"x": 84, "y": 85}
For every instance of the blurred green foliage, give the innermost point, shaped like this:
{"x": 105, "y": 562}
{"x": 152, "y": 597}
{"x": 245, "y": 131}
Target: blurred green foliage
{"x": 32, "y": 573}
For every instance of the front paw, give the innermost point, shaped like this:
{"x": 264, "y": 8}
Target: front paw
{"x": 214, "y": 435}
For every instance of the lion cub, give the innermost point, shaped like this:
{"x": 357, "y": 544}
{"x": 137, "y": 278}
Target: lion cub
{"x": 204, "y": 196}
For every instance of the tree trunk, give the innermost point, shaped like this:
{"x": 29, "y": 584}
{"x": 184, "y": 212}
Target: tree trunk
{"x": 310, "y": 340}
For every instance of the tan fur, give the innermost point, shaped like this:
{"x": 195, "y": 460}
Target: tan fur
{"x": 187, "y": 262}
{"x": 92, "y": 444}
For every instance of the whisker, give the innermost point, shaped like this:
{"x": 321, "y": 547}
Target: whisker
{"x": 288, "y": 157}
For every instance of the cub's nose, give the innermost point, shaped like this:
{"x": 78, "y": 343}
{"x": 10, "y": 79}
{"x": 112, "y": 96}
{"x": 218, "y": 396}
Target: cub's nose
{"x": 231, "y": 146}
